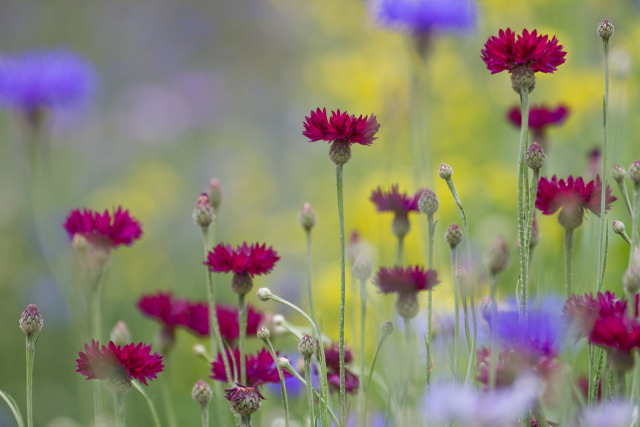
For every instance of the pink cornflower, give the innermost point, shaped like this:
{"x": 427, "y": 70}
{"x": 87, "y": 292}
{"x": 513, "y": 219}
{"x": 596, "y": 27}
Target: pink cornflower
{"x": 573, "y": 197}
{"x": 351, "y": 381}
{"x": 537, "y": 52}
{"x": 228, "y": 321}
{"x": 341, "y": 130}
{"x": 406, "y": 282}
{"x": 539, "y": 119}
{"x": 398, "y": 203}
{"x": 332, "y": 359}
{"x": 245, "y": 262}
{"x": 103, "y": 230}
{"x": 584, "y": 310}
{"x": 619, "y": 335}
{"x": 119, "y": 364}
{"x": 260, "y": 368}
{"x": 244, "y": 400}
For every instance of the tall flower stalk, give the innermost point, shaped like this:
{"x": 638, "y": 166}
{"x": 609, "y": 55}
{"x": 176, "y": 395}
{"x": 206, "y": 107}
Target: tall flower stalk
{"x": 31, "y": 324}
{"x": 343, "y": 287}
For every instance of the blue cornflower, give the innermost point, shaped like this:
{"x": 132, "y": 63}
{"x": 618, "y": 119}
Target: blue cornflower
{"x": 423, "y": 17}
{"x": 42, "y": 79}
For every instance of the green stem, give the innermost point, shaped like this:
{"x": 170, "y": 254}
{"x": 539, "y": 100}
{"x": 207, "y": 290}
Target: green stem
{"x": 373, "y": 365}
{"x": 340, "y": 194}
{"x": 419, "y": 121}
{"x": 625, "y": 196}
{"x": 471, "y": 366}
{"x": 527, "y": 243}
{"x": 242, "y": 322}
{"x": 166, "y": 396}
{"x": 310, "y": 390}
{"x": 456, "y": 324}
{"x": 120, "y": 409}
{"x": 14, "y": 408}
{"x": 400, "y": 250}
{"x": 204, "y": 414}
{"x": 493, "y": 361}
{"x": 96, "y": 293}
{"x": 245, "y": 421}
{"x": 635, "y": 218}
{"x": 31, "y": 354}
{"x": 363, "y": 355}
{"x": 214, "y": 333}
{"x": 603, "y": 194}
{"x": 147, "y": 399}
{"x": 568, "y": 260}
{"x": 620, "y": 385}
{"x": 283, "y": 388}
{"x": 522, "y": 220}
{"x": 309, "y": 291}
{"x": 431, "y": 226}
{"x": 322, "y": 401}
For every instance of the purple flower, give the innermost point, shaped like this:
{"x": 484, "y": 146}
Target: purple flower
{"x": 426, "y": 16}
{"x": 55, "y": 78}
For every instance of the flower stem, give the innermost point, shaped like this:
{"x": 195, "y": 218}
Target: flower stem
{"x": 568, "y": 260}
{"x": 120, "y": 409}
{"x": 635, "y": 218}
{"x": 245, "y": 421}
{"x": 204, "y": 414}
{"x": 625, "y": 196}
{"x": 527, "y": 243}
{"x": 373, "y": 365}
{"x": 242, "y": 322}
{"x": 603, "y": 193}
{"x": 309, "y": 291}
{"x": 166, "y": 397}
{"x": 431, "y": 225}
{"x": 493, "y": 361}
{"x": 31, "y": 354}
{"x": 363, "y": 355}
{"x": 340, "y": 194}
{"x": 322, "y": 401}
{"x": 522, "y": 219}
{"x": 456, "y": 327}
{"x": 400, "y": 250}
{"x": 214, "y": 333}
{"x": 283, "y": 388}
{"x": 152, "y": 408}
{"x": 96, "y": 293}
{"x": 310, "y": 390}
{"x": 14, "y": 408}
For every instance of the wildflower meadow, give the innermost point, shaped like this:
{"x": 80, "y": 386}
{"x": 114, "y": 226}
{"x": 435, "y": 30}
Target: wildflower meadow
{"x": 320, "y": 213}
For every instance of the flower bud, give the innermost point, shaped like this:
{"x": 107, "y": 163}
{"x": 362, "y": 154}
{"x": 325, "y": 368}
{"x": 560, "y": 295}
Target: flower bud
{"x": 453, "y": 235}
{"x": 120, "y": 334}
{"x": 284, "y": 364}
{"x": 535, "y": 157}
{"x": 340, "y": 152}
{"x": 497, "y": 257}
{"x": 407, "y": 305}
{"x": 618, "y": 173}
{"x": 386, "y": 327}
{"x": 307, "y": 217}
{"x": 201, "y": 393}
{"x": 605, "y": 29}
{"x": 80, "y": 243}
{"x": 523, "y": 78}
{"x": 307, "y": 346}
{"x": 618, "y": 227}
{"x": 215, "y": 193}
{"x": 242, "y": 283}
{"x": 428, "y": 202}
{"x": 199, "y": 351}
{"x": 263, "y": 333}
{"x": 203, "y": 214}
{"x": 400, "y": 225}
{"x": 31, "y": 321}
{"x": 631, "y": 278}
{"x": 244, "y": 400}
{"x": 634, "y": 172}
{"x": 445, "y": 172}
{"x": 264, "y": 294}
{"x": 362, "y": 268}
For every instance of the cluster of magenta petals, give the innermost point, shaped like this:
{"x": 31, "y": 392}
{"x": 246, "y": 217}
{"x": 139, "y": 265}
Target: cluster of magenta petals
{"x": 340, "y": 126}
{"x": 111, "y": 229}
{"x": 506, "y": 52}
{"x": 245, "y": 259}
{"x": 394, "y": 201}
{"x": 104, "y": 362}
{"x": 260, "y": 368}
{"x": 405, "y": 279}
{"x": 573, "y": 193}
{"x": 539, "y": 117}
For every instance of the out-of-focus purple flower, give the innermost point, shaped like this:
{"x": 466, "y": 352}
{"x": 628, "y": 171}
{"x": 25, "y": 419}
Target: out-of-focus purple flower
{"x": 425, "y": 17}
{"x": 610, "y": 414}
{"x": 41, "y": 79}
{"x": 465, "y": 406}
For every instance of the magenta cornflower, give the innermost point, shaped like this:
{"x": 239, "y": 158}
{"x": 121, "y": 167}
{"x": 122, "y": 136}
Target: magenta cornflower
{"x": 332, "y": 359}
{"x": 584, "y": 310}
{"x": 405, "y": 279}
{"x": 244, "y": 400}
{"x": 106, "y": 230}
{"x": 228, "y": 321}
{"x": 117, "y": 363}
{"x": 536, "y": 52}
{"x": 398, "y": 203}
{"x": 244, "y": 262}
{"x": 618, "y": 335}
{"x": 170, "y": 311}
{"x": 260, "y": 368}
{"x": 539, "y": 119}
{"x": 573, "y": 196}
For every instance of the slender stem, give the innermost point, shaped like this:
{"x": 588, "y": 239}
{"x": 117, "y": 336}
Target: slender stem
{"x": 31, "y": 354}
{"x": 283, "y": 388}
{"x": 619, "y": 385}
{"x": 340, "y": 194}
{"x": 400, "y": 250}
{"x": 419, "y": 121}
{"x": 635, "y": 218}
{"x": 493, "y": 361}
{"x": 625, "y": 196}
{"x": 527, "y": 243}
{"x": 242, "y": 322}
{"x": 96, "y": 292}
{"x": 603, "y": 265}
{"x": 245, "y": 421}
{"x": 471, "y": 366}
{"x": 363, "y": 353}
{"x": 204, "y": 414}
{"x": 322, "y": 401}
{"x": 14, "y": 408}
{"x": 522, "y": 219}
{"x": 456, "y": 324}
{"x": 145, "y": 396}
{"x": 120, "y": 409}
{"x": 214, "y": 333}
{"x": 166, "y": 396}
{"x": 431, "y": 227}
{"x": 373, "y": 365}
{"x": 595, "y": 373}
{"x": 310, "y": 390}
{"x": 603, "y": 194}
{"x": 568, "y": 260}
{"x": 309, "y": 291}
{"x": 625, "y": 237}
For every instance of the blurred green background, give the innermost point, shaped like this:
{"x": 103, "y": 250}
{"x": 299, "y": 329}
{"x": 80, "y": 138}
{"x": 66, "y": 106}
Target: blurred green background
{"x": 194, "y": 89}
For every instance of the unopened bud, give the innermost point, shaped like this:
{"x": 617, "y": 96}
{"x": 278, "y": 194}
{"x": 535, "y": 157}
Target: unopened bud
{"x": 241, "y": 283}
{"x": 31, "y": 321}
{"x": 362, "y": 268}
{"x": 215, "y": 193}
{"x": 523, "y": 78}
{"x": 203, "y": 214}
{"x": 497, "y": 257}
{"x": 80, "y": 243}
{"x": 605, "y": 29}
{"x": 264, "y": 294}
{"x": 263, "y": 333}
{"x": 634, "y": 172}
{"x": 631, "y": 278}
{"x": 244, "y": 400}
{"x": 428, "y": 202}
{"x": 307, "y": 346}
{"x": 340, "y": 152}
{"x": 407, "y": 305}
{"x": 618, "y": 173}
{"x": 534, "y": 157}
{"x": 201, "y": 393}
{"x": 200, "y": 351}
{"x": 283, "y": 363}
{"x": 386, "y": 327}
{"x": 618, "y": 227}
{"x": 307, "y": 217}
{"x": 445, "y": 172}
{"x": 120, "y": 334}
{"x": 453, "y": 235}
